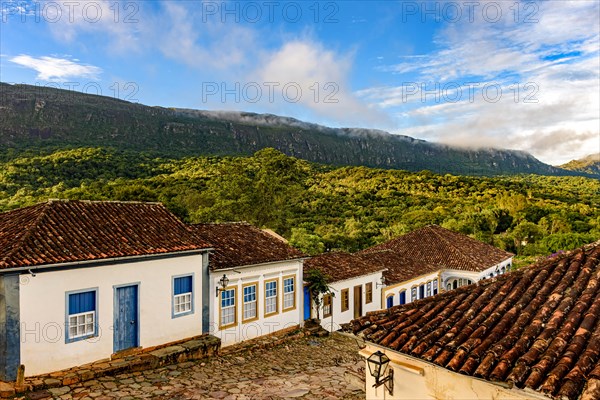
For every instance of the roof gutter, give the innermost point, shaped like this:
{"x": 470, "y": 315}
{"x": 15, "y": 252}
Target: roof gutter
{"x": 102, "y": 261}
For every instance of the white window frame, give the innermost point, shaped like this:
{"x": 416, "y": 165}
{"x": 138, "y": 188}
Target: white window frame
{"x": 273, "y": 300}
{"x": 186, "y": 298}
{"x": 289, "y": 296}
{"x": 247, "y": 305}
{"x": 228, "y": 308}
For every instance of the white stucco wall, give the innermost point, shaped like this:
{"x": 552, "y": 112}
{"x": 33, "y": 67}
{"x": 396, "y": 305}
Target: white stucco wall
{"x": 444, "y": 276}
{"x": 448, "y": 275}
{"x": 43, "y": 308}
{"x": 262, "y": 325}
{"x": 417, "y": 379}
{"x": 395, "y": 289}
{"x": 339, "y": 317}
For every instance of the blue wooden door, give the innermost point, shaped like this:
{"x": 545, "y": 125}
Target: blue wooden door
{"x": 126, "y": 318}
{"x": 307, "y": 304}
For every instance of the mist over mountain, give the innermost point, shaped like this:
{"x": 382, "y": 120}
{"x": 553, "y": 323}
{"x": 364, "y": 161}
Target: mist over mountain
{"x": 38, "y": 118}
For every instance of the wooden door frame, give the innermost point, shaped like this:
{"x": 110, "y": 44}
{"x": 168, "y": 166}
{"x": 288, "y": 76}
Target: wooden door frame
{"x": 358, "y": 289}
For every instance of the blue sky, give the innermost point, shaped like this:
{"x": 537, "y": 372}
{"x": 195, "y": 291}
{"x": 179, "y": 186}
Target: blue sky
{"x": 520, "y": 75}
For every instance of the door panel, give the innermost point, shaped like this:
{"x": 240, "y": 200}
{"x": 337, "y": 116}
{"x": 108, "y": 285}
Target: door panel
{"x": 126, "y": 318}
{"x": 307, "y": 303}
{"x": 357, "y": 301}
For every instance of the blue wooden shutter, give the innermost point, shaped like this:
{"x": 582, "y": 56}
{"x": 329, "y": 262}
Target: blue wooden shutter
{"x": 82, "y": 302}
{"x": 183, "y": 285}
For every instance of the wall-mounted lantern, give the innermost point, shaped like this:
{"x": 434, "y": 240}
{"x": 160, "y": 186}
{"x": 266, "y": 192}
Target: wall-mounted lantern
{"x": 377, "y": 284}
{"x": 224, "y": 281}
{"x": 378, "y": 364}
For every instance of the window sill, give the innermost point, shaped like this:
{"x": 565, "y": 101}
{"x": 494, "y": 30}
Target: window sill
{"x": 183, "y": 314}
{"x": 79, "y": 339}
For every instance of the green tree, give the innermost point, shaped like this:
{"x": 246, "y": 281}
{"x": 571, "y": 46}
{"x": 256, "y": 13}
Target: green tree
{"x": 307, "y": 242}
{"x": 318, "y": 285}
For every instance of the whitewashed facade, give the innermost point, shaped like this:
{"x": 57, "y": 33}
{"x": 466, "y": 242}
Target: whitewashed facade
{"x": 259, "y": 300}
{"x": 430, "y": 284}
{"x": 411, "y": 290}
{"x": 352, "y": 298}
{"x": 48, "y": 345}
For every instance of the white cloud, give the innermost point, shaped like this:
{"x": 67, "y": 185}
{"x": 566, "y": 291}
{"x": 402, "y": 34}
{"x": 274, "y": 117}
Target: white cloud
{"x": 227, "y": 53}
{"x": 557, "y": 56}
{"x": 118, "y": 23}
{"x": 322, "y": 77}
{"x": 57, "y": 69}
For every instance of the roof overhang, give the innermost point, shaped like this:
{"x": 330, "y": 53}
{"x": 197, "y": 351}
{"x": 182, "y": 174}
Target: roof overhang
{"x": 101, "y": 262}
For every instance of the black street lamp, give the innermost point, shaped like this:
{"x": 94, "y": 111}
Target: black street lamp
{"x": 378, "y": 363}
{"x": 377, "y": 284}
{"x": 224, "y": 281}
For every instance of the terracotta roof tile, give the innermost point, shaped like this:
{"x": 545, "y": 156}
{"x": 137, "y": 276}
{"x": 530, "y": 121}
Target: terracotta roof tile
{"x": 340, "y": 266}
{"x": 433, "y": 248}
{"x": 240, "y": 244}
{"x": 68, "y": 231}
{"x": 399, "y": 268}
{"x": 537, "y": 328}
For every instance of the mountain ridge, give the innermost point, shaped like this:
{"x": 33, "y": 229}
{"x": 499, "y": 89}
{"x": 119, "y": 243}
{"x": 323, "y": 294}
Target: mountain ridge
{"x": 589, "y": 164}
{"x": 34, "y": 117}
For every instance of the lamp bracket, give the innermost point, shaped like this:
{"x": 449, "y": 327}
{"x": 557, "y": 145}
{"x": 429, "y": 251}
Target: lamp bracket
{"x": 387, "y": 382}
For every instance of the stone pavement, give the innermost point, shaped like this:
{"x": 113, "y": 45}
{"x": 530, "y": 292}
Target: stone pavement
{"x": 306, "y": 368}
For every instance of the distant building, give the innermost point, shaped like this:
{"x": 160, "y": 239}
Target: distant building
{"x": 355, "y": 283}
{"x": 264, "y": 274}
{"x": 432, "y": 259}
{"x": 81, "y": 280}
{"x": 533, "y": 333}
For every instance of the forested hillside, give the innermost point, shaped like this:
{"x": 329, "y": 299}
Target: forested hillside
{"x": 589, "y": 164}
{"x": 315, "y": 206}
{"x": 48, "y": 118}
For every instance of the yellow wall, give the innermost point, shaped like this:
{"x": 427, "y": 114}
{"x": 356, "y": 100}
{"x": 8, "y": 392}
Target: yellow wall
{"x": 416, "y": 379}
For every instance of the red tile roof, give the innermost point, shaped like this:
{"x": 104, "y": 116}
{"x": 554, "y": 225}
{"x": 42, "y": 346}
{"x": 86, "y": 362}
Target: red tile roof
{"x": 340, "y": 266}
{"x": 69, "y": 231}
{"x": 439, "y": 248}
{"x": 399, "y": 268}
{"x": 240, "y": 244}
{"x": 538, "y": 327}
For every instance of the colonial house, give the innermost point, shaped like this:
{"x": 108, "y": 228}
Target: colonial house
{"x": 533, "y": 333}
{"x": 432, "y": 259}
{"x": 355, "y": 285}
{"x": 255, "y": 279}
{"x": 82, "y": 280}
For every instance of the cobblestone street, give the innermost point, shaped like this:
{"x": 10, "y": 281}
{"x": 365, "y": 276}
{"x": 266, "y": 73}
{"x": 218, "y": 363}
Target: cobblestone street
{"x": 306, "y": 368}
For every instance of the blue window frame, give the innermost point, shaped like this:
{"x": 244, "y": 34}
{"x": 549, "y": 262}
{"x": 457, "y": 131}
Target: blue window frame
{"x": 183, "y": 295}
{"x": 81, "y": 315}
{"x": 390, "y": 301}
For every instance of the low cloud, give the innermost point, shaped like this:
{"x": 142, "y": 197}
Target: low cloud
{"x": 322, "y": 76}
{"x": 57, "y": 69}
{"x": 547, "y": 72}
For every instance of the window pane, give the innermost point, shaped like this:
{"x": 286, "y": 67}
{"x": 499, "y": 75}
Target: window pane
{"x": 183, "y": 285}
{"x": 82, "y": 302}
{"x": 288, "y": 285}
